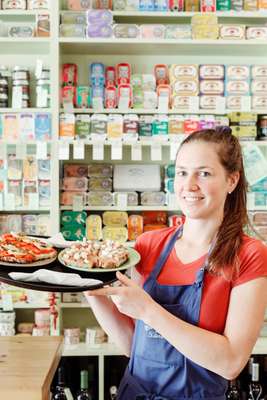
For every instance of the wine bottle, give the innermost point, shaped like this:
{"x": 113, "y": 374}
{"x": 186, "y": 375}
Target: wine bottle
{"x": 233, "y": 392}
{"x": 83, "y": 393}
{"x": 61, "y": 392}
{"x": 255, "y": 388}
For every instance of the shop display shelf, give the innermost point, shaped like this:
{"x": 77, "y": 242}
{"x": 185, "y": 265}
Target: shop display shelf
{"x": 115, "y": 208}
{"x": 23, "y": 110}
{"x": 83, "y": 349}
{"x": 24, "y": 210}
{"x": 22, "y": 13}
{"x": 20, "y": 46}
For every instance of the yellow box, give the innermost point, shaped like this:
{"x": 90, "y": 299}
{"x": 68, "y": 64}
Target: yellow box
{"x": 205, "y": 32}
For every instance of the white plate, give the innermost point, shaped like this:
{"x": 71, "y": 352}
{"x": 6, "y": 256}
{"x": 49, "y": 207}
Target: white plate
{"x": 33, "y": 264}
{"x": 134, "y": 258}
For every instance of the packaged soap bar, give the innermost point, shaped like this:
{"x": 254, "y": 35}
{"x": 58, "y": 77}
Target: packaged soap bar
{"x": 232, "y": 32}
{"x": 82, "y": 126}
{"x": 72, "y": 30}
{"x": 258, "y": 87}
{"x": 118, "y": 234}
{"x": 94, "y": 227}
{"x": 237, "y": 72}
{"x": 259, "y": 102}
{"x": 73, "y": 232}
{"x": 153, "y": 199}
{"x": 78, "y": 5}
{"x": 100, "y": 199}
{"x": 38, "y": 4}
{"x": 176, "y": 124}
{"x": 209, "y": 102}
{"x": 183, "y": 72}
{"x": 75, "y": 170}
{"x": 259, "y": 72}
{"x": 211, "y": 71}
{"x": 115, "y": 218}
{"x": 73, "y": 217}
{"x": 66, "y": 125}
{"x": 256, "y": 32}
{"x": 30, "y": 167}
{"x": 14, "y": 167}
{"x": 174, "y": 31}
{"x": 212, "y": 87}
{"x": 182, "y": 102}
{"x": 100, "y": 184}
{"x": 204, "y": 19}
{"x": 66, "y": 198}
{"x": 130, "y": 31}
{"x": 14, "y": 4}
{"x": 234, "y": 102}
{"x": 21, "y": 30}
{"x": 239, "y": 88}
{"x": 152, "y": 31}
{"x": 185, "y": 88}
{"x": 100, "y": 170}
{"x": 75, "y": 184}
{"x": 205, "y": 32}
{"x": 99, "y": 17}
{"x": 15, "y": 187}
{"x": 73, "y": 18}
{"x": 132, "y": 198}
{"x": 135, "y": 226}
{"x": 43, "y": 126}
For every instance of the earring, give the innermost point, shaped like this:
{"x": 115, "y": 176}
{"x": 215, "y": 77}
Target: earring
{"x": 229, "y": 192}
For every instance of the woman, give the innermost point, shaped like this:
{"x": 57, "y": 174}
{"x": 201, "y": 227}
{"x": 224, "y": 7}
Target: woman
{"x": 202, "y": 304}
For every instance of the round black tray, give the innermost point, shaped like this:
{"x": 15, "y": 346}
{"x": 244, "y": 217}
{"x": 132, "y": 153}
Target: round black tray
{"x": 106, "y": 277}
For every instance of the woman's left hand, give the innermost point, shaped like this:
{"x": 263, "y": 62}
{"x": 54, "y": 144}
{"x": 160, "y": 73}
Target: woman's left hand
{"x": 129, "y": 298}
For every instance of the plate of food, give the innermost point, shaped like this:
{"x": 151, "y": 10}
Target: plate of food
{"x": 21, "y": 250}
{"x": 95, "y": 256}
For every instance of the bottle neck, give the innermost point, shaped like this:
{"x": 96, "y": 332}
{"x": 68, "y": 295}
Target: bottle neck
{"x": 84, "y": 380}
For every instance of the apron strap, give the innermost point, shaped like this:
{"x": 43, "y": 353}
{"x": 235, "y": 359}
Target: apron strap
{"x": 166, "y": 252}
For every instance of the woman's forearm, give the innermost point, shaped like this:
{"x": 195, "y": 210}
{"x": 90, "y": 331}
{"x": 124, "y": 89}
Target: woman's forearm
{"x": 118, "y": 326}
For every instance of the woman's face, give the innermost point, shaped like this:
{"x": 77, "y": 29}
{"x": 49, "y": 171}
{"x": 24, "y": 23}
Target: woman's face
{"x": 201, "y": 182}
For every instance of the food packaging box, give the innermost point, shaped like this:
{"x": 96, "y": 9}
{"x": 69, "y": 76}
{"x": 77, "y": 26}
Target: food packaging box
{"x": 30, "y": 168}
{"x": 14, "y": 4}
{"x": 82, "y": 126}
{"x": 209, "y": 102}
{"x": 73, "y": 18}
{"x": 182, "y": 31}
{"x": 176, "y": 124}
{"x": 152, "y": 31}
{"x": 130, "y": 125}
{"x": 72, "y": 30}
{"x": 234, "y": 102}
{"x": 176, "y": 5}
{"x": 99, "y": 124}
{"x": 15, "y": 187}
{"x": 145, "y": 126}
{"x": 75, "y": 184}
{"x": 100, "y": 184}
{"x": 256, "y": 32}
{"x": 115, "y": 218}
{"x": 43, "y": 227}
{"x": 207, "y": 6}
{"x": 94, "y": 227}
{"x": 14, "y": 168}
{"x": 237, "y": 5}
{"x": 130, "y": 31}
{"x": 116, "y": 233}
{"x": 154, "y": 217}
{"x": 43, "y": 25}
{"x": 237, "y": 88}
{"x": 132, "y": 198}
{"x": 99, "y": 31}
{"x": 223, "y": 5}
{"x": 205, "y": 32}
{"x": 78, "y": 5}
{"x": 184, "y": 102}
{"x": 73, "y": 232}
{"x": 191, "y": 124}
{"x": 135, "y": 226}
{"x": 100, "y": 170}
{"x": 153, "y": 199}
{"x": 29, "y": 224}
{"x": 258, "y": 87}
{"x": 262, "y": 5}
{"x": 67, "y": 125}
{"x": 183, "y": 72}
{"x": 100, "y": 198}
{"x": 250, "y": 5}
{"x": 185, "y": 87}
{"x": 204, "y": 19}
{"x": 29, "y": 187}
{"x": 73, "y": 217}
{"x": 237, "y": 72}
{"x": 43, "y": 126}
{"x": 10, "y": 126}
{"x": 75, "y": 170}
{"x": 244, "y": 132}
{"x": 19, "y": 30}
{"x": 243, "y": 118}
{"x": 98, "y": 17}
{"x": 115, "y": 126}
{"x": 160, "y": 125}
{"x": 14, "y": 223}
{"x": 232, "y": 32}
{"x": 192, "y": 5}
{"x": 44, "y": 190}
{"x": 259, "y": 103}
{"x": 211, "y": 87}
{"x": 259, "y": 72}
{"x": 66, "y": 198}
{"x": 211, "y": 71}
{"x": 136, "y": 177}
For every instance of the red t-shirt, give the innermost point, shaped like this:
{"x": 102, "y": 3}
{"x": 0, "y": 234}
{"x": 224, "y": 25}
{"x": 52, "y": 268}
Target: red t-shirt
{"x": 216, "y": 290}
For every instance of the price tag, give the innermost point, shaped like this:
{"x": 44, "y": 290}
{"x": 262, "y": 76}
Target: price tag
{"x": 42, "y": 95}
{"x": 98, "y": 151}
{"x": 3, "y": 151}
{"x": 33, "y": 201}
{"x": 7, "y": 302}
{"x": 38, "y": 68}
{"x": 78, "y": 150}
{"x": 173, "y": 150}
{"x": 156, "y": 153}
{"x": 194, "y": 104}
{"x": 136, "y": 152}
{"x": 1, "y": 201}
{"x": 10, "y": 203}
{"x": 41, "y": 150}
{"x": 122, "y": 201}
{"x": 17, "y": 97}
{"x": 77, "y": 204}
{"x": 97, "y": 103}
{"x": 21, "y": 151}
{"x": 116, "y": 150}
{"x": 245, "y": 103}
{"x": 220, "y": 104}
{"x": 63, "y": 151}
{"x": 124, "y": 103}
{"x": 163, "y": 104}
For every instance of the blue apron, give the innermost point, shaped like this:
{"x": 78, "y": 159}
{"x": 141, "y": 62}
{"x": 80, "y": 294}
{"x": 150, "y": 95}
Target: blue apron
{"x": 158, "y": 371}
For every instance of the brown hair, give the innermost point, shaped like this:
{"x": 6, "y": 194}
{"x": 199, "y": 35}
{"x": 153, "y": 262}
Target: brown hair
{"x": 224, "y": 256}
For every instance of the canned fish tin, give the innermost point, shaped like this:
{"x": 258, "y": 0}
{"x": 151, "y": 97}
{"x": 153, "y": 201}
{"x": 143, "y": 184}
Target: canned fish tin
{"x": 38, "y": 4}
{"x": 14, "y": 4}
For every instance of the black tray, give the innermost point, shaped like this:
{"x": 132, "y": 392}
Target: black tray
{"x": 107, "y": 278}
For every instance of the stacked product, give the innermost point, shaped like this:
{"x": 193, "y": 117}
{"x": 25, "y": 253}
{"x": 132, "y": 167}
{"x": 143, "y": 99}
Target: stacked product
{"x": 211, "y": 85}
{"x": 25, "y": 126}
{"x": 259, "y": 87}
{"x": 7, "y": 323}
{"x": 72, "y": 336}
{"x": 25, "y": 4}
{"x": 43, "y": 89}
{"x": 4, "y": 73}
{"x": 30, "y": 224}
{"x": 237, "y": 86}
{"x": 185, "y": 85}
{"x": 154, "y": 220}
{"x": 73, "y": 224}
{"x": 41, "y": 323}
{"x": 20, "y": 87}
{"x": 205, "y": 26}
{"x": 99, "y": 24}
{"x": 115, "y": 226}
{"x": 244, "y": 125}
{"x": 94, "y": 227}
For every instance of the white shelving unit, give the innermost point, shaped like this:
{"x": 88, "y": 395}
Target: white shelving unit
{"x": 142, "y": 55}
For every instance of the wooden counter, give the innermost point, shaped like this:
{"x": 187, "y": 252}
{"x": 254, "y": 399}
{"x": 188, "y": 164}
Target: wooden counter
{"x": 27, "y": 366}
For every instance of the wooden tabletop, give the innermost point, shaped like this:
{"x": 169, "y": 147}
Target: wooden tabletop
{"x": 27, "y": 366}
